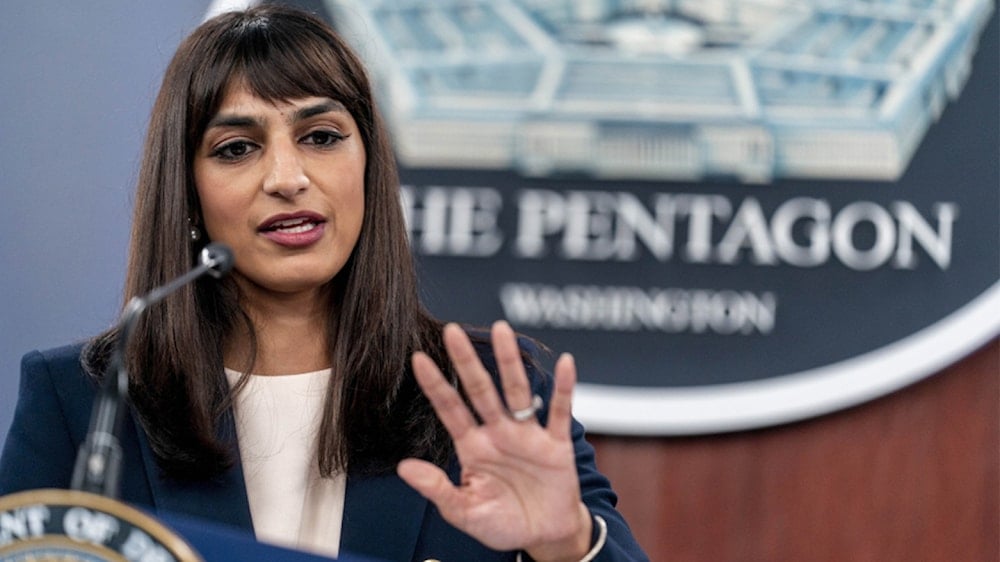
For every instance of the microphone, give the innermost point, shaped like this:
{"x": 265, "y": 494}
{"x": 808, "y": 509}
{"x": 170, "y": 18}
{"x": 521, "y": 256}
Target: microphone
{"x": 98, "y": 462}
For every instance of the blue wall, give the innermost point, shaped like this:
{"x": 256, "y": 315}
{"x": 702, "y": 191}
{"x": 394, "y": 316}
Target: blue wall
{"x": 78, "y": 80}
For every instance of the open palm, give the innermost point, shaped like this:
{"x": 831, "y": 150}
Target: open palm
{"x": 519, "y": 487}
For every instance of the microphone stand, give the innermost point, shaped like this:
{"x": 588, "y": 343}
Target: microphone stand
{"x": 99, "y": 460}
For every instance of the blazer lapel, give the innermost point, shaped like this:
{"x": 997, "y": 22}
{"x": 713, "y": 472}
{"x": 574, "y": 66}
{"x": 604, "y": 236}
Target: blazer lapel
{"x": 222, "y": 499}
{"x": 382, "y": 517}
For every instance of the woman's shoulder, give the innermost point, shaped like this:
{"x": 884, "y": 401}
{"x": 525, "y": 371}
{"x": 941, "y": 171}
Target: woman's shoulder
{"x": 56, "y": 378}
{"x": 61, "y": 367}
{"x": 66, "y": 358}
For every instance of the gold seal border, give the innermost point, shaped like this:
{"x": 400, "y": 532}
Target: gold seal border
{"x": 28, "y": 549}
{"x": 75, "y": 498}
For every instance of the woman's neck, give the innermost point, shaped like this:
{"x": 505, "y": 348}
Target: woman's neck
{"x": 291, "y": 332}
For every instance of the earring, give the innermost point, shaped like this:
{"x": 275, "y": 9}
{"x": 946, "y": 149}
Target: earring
{"x": 193, "y": 231}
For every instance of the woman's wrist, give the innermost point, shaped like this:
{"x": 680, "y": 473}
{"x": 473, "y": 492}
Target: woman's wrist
{"x": 582, "y": 546}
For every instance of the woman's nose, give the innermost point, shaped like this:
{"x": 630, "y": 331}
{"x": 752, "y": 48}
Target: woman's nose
{"x": 286, "y": 177}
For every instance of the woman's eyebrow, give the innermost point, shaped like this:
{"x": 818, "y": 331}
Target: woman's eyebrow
{"x": 326, "y": 106}
{"x": 233, "y": 120}
{"x": 222, "y": 120}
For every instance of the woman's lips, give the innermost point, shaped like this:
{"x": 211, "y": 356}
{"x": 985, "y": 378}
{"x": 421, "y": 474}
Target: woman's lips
{"x": 294, "y": 231}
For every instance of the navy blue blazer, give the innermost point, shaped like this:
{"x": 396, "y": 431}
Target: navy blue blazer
{"x": 383, "y": 517}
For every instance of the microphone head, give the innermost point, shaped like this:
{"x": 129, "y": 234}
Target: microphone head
{"x": 218, "y": 258}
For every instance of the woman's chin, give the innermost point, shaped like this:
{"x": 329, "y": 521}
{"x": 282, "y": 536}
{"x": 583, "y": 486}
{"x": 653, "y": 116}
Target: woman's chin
{"x": 285, "y": 285}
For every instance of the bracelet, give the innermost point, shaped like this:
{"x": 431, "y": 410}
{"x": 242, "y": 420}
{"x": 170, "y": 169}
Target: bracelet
{"x": 602, "y": 538}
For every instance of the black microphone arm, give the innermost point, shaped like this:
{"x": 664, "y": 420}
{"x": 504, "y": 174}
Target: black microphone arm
{"x": 99, "y": 460}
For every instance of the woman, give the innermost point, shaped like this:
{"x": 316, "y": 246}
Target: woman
{"x": 309, "y": 396}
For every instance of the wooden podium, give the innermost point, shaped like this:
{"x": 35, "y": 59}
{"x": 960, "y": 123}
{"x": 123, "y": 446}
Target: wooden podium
{"x": 912, "y": 476}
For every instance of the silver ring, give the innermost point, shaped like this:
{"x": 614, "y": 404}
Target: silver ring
{"x": 525, "y": 414}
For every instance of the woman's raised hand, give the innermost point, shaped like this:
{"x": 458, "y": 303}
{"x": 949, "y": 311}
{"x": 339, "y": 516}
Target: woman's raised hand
{"x": 519, "y": 488}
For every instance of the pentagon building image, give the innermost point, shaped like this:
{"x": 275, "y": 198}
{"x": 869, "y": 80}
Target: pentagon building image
{"x": 665, "y": 89}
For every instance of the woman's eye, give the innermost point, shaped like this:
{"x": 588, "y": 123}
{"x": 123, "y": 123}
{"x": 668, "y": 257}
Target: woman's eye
{"x": 323, "y": 138}
{"x": 233, "y": 150}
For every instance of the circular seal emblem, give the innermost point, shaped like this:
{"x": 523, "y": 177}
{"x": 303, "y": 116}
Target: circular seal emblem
{"x": 733, "y": 214}
{"x": 72, "y": 526}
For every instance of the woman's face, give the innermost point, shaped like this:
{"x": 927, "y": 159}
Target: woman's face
{"x": 282, "y": 183}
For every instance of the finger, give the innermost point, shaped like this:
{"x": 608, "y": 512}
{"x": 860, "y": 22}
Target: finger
{"x": 561, "y": 405}
{"x": 476, "y": 381}
{"x": 443, "y": 397}
{"x": 432, "y": 483}
{"x": 511, "y": 365}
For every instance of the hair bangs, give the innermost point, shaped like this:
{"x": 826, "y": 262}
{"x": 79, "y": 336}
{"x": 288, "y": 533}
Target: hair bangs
{"x": 277, "y": 60}
{"x": 289, "y": 67}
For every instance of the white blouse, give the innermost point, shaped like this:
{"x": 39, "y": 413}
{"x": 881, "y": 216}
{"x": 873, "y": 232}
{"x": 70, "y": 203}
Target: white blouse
{"x": 277, "y": 424}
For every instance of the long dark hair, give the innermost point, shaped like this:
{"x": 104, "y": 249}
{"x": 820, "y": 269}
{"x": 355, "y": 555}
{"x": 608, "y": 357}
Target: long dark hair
{"x": 375, "y": 413}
